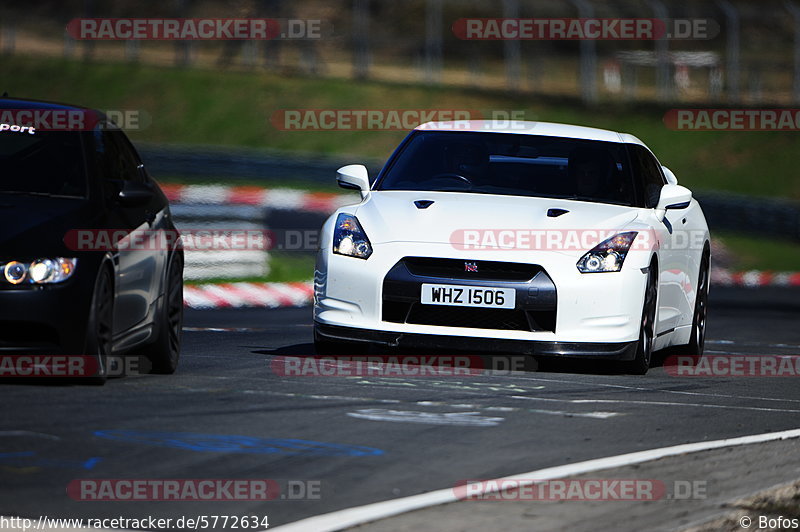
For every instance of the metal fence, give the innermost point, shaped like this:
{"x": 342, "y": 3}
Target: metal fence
{"x": 754, "y": 58}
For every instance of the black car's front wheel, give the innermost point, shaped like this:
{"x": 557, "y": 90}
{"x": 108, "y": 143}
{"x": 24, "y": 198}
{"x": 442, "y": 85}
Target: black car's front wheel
{"x": 99, "y": 329}
{"x": 165, "y": 351}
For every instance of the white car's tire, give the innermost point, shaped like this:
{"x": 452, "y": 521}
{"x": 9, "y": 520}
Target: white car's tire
{"x": 644, "y": 349}
{"x": 697, "y": 342}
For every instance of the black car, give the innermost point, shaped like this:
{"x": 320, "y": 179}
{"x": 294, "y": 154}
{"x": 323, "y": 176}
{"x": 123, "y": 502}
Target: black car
{"x": 89, "y": 266}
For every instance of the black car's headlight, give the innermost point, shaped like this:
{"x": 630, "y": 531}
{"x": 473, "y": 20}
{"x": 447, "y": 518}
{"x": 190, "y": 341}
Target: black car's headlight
{"x": 350, "y": 239}
{"x": 608, "y": 255}
{"x": 40, "y": 271}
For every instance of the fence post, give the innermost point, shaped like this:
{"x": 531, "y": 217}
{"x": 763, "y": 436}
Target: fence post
{"x": 132, "y": 51}
{"x": 433, "y": 41}
{"x": 795, "y": 11}
{"x": 271, "y": 48}
{"x": 512, "y": 49}
{"x": 360, "y": 39}
{"x": 88, "y": 45}
{"x": 182, "y": 48}
{"x": 9, "y": 35}
{"x": 663, "y": 83}
{"x": 588, "y": 78}
{"x": 732, "y": 31}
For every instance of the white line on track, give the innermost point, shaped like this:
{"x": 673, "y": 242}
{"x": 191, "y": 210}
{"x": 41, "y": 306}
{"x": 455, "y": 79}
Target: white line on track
{"x": 657, "y": 390}
{"x": 4, "y": 433}
{"x": 741, "y": 354}
{"x": 583, "y": 384}
{"x": 359, "y": 515}
{"x": 565, "y": 413}
{"x": 464, "y": 419}
{"x": 751, "y": 344}
{"x": 466, "y": 389}
{"x": 654, "y": 403}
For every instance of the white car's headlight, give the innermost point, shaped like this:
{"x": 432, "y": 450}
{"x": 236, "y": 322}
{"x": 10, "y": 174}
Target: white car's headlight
{"x": 350, "y": 239}
{"x": 40, "y": 271}
{"x": 608, "y": 255}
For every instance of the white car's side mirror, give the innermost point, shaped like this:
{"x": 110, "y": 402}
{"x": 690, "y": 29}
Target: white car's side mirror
{"x": 674, "y": 197}
{"x": 670, "y": 175}
{"x": 353, "y": 177}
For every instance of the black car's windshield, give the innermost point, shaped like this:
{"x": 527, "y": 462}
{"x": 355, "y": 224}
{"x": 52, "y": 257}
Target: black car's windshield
{"x": 513, "y": 164}
{"x": 47, "y": 163}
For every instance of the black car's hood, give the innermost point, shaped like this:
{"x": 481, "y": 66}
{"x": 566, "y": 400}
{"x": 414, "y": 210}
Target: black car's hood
{"x": 35, "y": 226}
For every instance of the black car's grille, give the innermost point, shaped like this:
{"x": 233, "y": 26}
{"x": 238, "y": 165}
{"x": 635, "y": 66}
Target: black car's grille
{"x": 472, "y": 317}
{"x": 455, "y": 269}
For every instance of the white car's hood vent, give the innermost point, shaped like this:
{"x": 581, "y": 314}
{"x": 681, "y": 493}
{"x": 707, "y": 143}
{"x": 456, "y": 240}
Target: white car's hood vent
{"x": 397, "y": 216}
{"x": 555, "y": 213}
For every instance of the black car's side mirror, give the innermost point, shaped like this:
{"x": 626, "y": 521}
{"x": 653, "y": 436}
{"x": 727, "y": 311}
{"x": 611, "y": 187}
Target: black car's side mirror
{"x": 134, "y": 194}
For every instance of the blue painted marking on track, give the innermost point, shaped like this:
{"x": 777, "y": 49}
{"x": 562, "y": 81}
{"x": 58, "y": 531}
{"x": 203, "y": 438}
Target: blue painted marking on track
{"x": 222, "y": 443}
{"x": 4, "y": 456}
{"x": 29, "y": 459}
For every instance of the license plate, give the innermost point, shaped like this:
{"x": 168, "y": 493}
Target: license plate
{"x": 467, "y": 296}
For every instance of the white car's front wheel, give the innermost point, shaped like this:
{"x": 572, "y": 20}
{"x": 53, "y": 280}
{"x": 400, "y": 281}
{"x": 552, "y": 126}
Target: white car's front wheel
{"x": 644, "y": 348}
{"x": 698, "y": 339}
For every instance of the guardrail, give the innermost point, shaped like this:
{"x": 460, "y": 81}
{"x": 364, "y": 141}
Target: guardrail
{"x": 769, "y": 217}
{"x": 231, "y": 164}
{"x": 724, "y": 211}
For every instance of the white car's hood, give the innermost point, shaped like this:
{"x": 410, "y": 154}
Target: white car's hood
{"x": 392, "y": 216}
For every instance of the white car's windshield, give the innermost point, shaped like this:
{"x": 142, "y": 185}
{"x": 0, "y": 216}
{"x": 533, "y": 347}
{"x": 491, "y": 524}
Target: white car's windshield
{"x": 513, "y": 164}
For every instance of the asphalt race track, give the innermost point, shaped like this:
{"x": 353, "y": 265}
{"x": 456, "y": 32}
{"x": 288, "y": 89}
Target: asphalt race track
{"x": 227, "y": 415}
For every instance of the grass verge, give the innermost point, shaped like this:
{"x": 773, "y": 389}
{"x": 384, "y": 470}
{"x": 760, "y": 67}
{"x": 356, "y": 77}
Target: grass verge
{"x": 195, "y": 106}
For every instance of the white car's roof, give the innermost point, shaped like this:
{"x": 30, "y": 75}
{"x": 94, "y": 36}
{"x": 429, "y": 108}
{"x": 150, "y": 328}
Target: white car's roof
{"x": 549, "y": 129}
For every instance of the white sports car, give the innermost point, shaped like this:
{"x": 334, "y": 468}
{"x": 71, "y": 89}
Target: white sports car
{"x": 523, "y": 237}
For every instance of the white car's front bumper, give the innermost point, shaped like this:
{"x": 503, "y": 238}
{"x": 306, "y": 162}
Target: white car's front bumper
{"x": 593, "y": 313}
